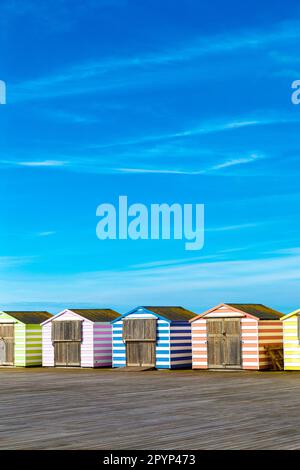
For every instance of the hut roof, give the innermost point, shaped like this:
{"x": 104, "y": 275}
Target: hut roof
{"x": 172, "y": 313}
{"x": 260, "y": 311}
{"x": 96, "y": 314}
{"x": 295, "y": 312}
{"x": 29, "y": 317}
{"x": 166, "y": 313}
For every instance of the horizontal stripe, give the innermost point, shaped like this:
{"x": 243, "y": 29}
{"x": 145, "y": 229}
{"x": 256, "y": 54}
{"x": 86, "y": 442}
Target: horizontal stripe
{"x": 248, "y": 328}
{"x": 275, "y": 334}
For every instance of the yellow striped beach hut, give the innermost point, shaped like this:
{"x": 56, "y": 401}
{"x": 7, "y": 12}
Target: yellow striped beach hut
{"x": 291, "y": 340}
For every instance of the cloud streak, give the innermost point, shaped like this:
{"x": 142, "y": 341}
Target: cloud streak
{"x": 14, "y": 261}
{"x": 189, "y": 283}
{"x": 40, "y": 163}
{"x": 46, "y": 234}
{"x": 211, "y": 169}
{"x": 106, "y": 73}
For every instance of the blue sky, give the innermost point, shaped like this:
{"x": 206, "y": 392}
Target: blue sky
{"x": 162, "y": 101}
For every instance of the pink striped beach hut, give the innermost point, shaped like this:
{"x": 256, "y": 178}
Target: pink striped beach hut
{"x": 235, "y": 336}
{"x": 78, "y": 338}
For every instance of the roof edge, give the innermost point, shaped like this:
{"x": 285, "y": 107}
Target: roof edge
{"x": 295, "y": 312}
{"x": 145, "y": 310}
{"x": 223, "y": 305}
{"x": 61, "y": 313}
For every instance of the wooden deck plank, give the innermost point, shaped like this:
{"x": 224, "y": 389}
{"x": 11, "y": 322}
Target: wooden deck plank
{"x": 99, "y": 409}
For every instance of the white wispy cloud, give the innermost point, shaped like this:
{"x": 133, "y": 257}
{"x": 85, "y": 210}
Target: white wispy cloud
{"x": 178, "y": 153}
{"x": 14, "y": 261}
{"x": 146, "y": 153}
{"x": 177, "y": 261}
{"x": 271, "y": 279}
{"x": 102, "y": 163}
{"x": 96, "y": 75}
{"x": 210, "y": 169}
{"x": 236, "y": 161}
{"x": 40, "y": 163}
{"x": 210, "y": 127}
{"x": 46, "y": 234}
{"x": 70, "y": 117}
{"x": 228, "y": 228}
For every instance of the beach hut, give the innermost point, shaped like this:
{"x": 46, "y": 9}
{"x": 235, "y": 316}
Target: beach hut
{"x": 21, "y": 338}
{"x": 153, "y": 337}
{"x": 78, "y": 338}
{"x": 234, "y": 336}
{"x": 291, "y": 340}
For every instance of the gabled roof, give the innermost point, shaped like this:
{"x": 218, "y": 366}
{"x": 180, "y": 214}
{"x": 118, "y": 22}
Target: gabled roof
{"x": 29, "y": 317}
{"x": 96, "y": 314}
{"x": 172, "y": 313}
{"x": 91, "y": 314}
{"x": 165, "y": 313}
{"x": 295, "y": 312}
{"x": 258, "y": 311}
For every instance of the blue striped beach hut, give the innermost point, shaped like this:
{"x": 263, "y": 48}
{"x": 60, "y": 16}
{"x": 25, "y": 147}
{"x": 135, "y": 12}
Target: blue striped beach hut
{"x": 153, "y": 337}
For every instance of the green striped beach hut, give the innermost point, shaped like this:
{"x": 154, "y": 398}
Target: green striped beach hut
{"x": 21, "y": 338}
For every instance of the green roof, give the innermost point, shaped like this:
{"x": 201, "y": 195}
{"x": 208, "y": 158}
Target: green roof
{"x": 29, "y": 317}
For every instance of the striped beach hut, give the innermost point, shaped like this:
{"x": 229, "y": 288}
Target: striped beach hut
{"x": 153, "y": 337}
{"x": 234, "y": 336}
{"x": 21, "y": 338}
{"x": 79, "y": 338}
{"x": 291, "y": 340}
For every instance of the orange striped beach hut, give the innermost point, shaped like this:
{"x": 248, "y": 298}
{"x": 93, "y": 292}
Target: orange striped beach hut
{"x": 234, "y": 336}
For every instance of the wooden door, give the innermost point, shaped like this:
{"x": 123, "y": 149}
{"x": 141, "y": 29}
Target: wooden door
{"x": 140, "y": 353}
{"x": 2, "y": 352}
{"x": 67, "y": 330}
{"x": 140, "y": 338}
{"x": 139, "y": 329}
{"x": 60, "y": 354}
{"x": 7, "y": 344}
{"x": 73, "y": 356}
{"x": 215, "y": 343}
{"x": 147, "y": 351}
{"x": 133, "y": 354}
{"x": 232, "y": 329}
{"x": 224, "y": 343}
{"x": 66, "y": 338}
{"x": 67, "y": 354}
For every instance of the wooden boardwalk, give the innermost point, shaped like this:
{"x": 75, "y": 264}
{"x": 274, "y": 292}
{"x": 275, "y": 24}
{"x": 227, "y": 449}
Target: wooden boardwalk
{"x": 105, "y": 409}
